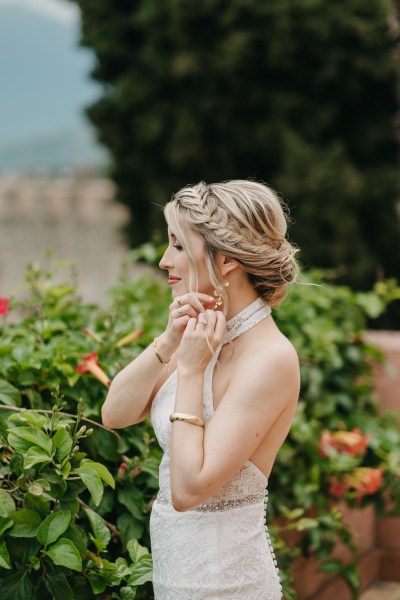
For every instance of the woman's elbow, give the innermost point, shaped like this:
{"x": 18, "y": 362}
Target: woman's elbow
{"x": 183, "y": 501}
{"x": 106, "y": 418}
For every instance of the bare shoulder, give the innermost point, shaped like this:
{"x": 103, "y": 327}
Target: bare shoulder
{"x": 271, "y": 366}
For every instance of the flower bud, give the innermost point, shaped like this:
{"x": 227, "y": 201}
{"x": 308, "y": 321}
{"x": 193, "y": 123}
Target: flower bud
{"x": 136, "y": 471}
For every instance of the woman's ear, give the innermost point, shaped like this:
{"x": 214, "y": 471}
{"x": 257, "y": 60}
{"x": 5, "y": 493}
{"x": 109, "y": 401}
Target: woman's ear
{"x": 226, "y": 264}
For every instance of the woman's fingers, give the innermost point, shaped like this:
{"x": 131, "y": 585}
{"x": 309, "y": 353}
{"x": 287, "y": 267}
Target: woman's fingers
{"x": 190, "y": 327}
{"x": 185, "y": 309}
{"x": 194, "y": 298}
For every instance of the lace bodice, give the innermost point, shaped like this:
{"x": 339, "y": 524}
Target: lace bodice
{"x": 249, "y": 484}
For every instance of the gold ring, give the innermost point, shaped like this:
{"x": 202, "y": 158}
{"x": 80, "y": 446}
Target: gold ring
{"x": 201, "y": 321}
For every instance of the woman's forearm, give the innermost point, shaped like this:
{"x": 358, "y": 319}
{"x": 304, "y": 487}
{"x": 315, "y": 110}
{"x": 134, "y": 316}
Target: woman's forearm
{"x": 131, "y": 389}
{"x": 187, "y": 440}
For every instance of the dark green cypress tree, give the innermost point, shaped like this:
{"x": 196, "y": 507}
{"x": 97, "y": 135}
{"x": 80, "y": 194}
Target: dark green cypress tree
{"x": 298, "y": 93}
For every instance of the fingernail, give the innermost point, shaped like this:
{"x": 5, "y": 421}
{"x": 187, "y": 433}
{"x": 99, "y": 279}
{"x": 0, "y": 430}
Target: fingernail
{"x": 211, "y": 298}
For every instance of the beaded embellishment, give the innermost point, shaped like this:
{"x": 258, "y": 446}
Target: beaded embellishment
{"x": 217, "y": 506}
{"x": 246, "y": 319}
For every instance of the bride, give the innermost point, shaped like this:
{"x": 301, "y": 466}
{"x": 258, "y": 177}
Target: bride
{"x": 221, "y": 385}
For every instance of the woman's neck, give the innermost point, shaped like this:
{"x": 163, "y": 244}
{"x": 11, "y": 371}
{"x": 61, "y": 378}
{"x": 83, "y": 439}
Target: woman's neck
{"x": 239, "y": 299}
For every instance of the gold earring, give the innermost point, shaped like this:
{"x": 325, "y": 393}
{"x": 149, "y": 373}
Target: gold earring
{"x": 218, "y": 293}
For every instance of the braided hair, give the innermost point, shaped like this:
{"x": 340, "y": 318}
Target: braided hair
{"x": 243, "y": 220}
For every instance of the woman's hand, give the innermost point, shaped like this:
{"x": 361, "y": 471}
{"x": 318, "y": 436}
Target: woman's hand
{"x": 181, "y": 310}
{"x": 201, "y": 338}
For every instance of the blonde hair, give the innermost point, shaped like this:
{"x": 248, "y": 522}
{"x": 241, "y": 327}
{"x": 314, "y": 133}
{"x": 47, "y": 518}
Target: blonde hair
{"x": 243, "y": 220}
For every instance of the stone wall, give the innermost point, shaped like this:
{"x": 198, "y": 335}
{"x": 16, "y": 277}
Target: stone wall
{"x": 71, "y": 215}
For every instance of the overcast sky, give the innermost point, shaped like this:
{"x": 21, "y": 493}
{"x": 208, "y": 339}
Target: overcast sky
{"x": 44, "y": 73}
{"x": 60, "y": 10}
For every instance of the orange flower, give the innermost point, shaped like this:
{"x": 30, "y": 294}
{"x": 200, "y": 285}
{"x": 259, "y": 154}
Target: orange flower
{"x": 349, "y": 442}
{"x": 90, "y": 366}
{"x": 366, "y": 481}
{"x": 133, "y": 335}
{"x": 363, "y": 481}
{"x": 4, "y": 305}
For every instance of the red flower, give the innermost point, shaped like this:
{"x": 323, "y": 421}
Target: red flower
{"x": 90, "y": 366}
{"x": 4, "y": 305}
{"x": 349, "y": 442}
{"x": 337, "y": 488}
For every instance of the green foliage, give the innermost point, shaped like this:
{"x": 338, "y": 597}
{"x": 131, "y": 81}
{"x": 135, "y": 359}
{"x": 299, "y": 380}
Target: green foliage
{"x": 298, "y": 93}
{"x": 44, "y": 550}
{"x": 39, "y": 352}
{"x": 75, "y": 498}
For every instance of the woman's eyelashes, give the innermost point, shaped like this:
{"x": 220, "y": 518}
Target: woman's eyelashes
{"x": 177, "y": 246}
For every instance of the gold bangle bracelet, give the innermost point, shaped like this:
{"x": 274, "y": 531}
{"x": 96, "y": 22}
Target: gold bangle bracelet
{"x": 192, "y": 419}
{"x": 163, "y": 362}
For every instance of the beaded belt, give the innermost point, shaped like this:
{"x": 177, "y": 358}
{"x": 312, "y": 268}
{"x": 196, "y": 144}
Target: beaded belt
{"x": 217, "y": 506}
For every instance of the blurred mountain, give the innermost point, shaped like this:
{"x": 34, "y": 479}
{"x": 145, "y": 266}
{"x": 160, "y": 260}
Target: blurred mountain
{"x": 45, "y": 85}
{"x": 70, "y": 148}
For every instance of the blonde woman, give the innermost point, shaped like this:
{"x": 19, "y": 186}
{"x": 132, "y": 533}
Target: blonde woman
{"x": 221, "y": 385}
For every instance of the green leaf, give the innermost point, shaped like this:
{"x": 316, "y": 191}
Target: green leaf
{"x": 34, "y": 456}
{"x": 16, "y": 587}
{"x": 7, "y": 504}
{"x": 306, "y": 523}
{"x": 93, "y": 482}
{"x": 53, "y": 526}
{"x": 64, "y": 553}
{"x": 58, "y": 586}
{"x": 352, "y": 575}
{"x": 132, "y": 498}
{"x": 78, "y": 537}
{"x": 62, "y": 441}
{"x": 29, "y": 416}
{"x": 101, "y": 470}
{"x": 136, "y": 551}
{"x": 4, "y": 556}
{"x": 26, "y": 523}
{"x": 125, "y": 593}
{"x": 97, "y": 583}
{"x": 5, "y": 523}
{"x": 35, "y": 489}
{"x": 22, "y": 549}
{"x": 37, "y": 503}
{"x": 129, "y": 527}
{"x": 142, "y": 572}
{"x": 100, "y": 529}
{"x": 9, "y": 394}
{"x": 331, "y": 566}
{"x": 19, "y": 445}
{"x": 35, "y": 436}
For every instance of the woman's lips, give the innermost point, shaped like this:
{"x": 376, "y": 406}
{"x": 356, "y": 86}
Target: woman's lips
{"x": 172, "y": 280}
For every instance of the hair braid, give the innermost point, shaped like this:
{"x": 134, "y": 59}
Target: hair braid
{"x": 243, "y": 220}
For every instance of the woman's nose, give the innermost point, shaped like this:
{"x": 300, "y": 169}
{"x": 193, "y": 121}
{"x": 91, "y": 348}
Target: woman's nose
{"x": 165, "y": 262}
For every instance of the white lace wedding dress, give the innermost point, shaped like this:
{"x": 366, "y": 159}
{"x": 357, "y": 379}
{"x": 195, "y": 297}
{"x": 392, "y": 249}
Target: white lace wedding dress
{"x": 221, "y": 549}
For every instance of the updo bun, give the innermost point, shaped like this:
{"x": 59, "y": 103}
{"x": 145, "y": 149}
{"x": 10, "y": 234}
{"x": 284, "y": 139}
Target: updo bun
{"x": 245, "y": 221}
